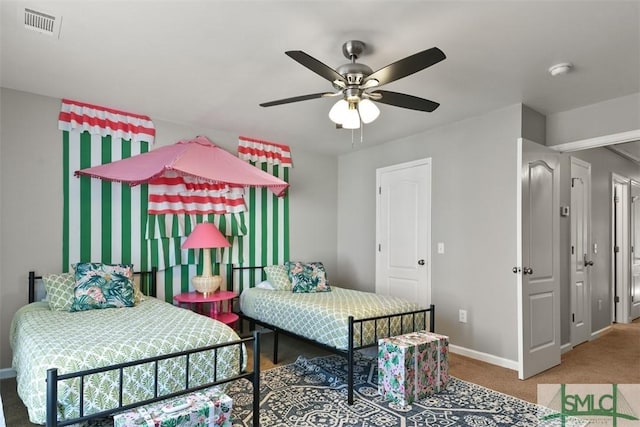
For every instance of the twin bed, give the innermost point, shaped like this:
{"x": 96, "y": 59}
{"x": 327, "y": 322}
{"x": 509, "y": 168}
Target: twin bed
{"x": 74, "y": 366}
{"x": 341, "y": 320}
{"x": 99, "y": 362}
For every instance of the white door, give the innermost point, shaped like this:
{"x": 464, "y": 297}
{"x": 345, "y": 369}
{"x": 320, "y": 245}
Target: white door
{"x": 403, "y": 231}
{"x": 635, "y": 250}
{"x": 581, "y": 254}
{"x": 539, "y": 282}
{"x": 621, "y": 244}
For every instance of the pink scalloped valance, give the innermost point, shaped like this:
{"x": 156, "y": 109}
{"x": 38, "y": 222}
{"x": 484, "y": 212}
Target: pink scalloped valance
{"x": 97, "y": 120}
{"x": 258, "y": 151}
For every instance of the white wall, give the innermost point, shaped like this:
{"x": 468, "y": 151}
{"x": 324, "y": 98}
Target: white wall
{"x": 473, "y": 214}
{"x": 31, "y": 197}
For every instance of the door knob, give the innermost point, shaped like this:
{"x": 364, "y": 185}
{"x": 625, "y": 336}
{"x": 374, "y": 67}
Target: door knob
{"x": 516, "y": 270}
{"x": 527, "y": 270}
{"x": 586, "y": 262}
{"x": 420, "y": 262}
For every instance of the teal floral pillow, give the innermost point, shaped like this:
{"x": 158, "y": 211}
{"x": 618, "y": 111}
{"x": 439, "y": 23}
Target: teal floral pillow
{"x": 278, "y": 276}
{"x": 308, "y": 277}
{"x": 103, "y": 286}
{"x": 59, "y": 289}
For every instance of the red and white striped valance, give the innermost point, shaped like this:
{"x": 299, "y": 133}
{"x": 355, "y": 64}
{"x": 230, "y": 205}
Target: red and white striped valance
{"x": 105, "y": 121}
{"x": 176, "y": 194}
{"x": 259, "y": 151}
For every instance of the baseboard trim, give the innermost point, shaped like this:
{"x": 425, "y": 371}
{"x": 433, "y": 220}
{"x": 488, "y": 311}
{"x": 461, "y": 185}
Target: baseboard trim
{"x": 7, "y": 373}
{"x": 569, "y": 346}
{"x": 600, "y": 332}
{"x": 484, "y": 357}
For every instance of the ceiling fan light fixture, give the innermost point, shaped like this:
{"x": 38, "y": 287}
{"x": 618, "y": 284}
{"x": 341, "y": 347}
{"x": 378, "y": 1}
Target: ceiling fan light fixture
{"x": 339, "y": 111}
{"x": 368, "y": 111}
{"x": 351, "y": 120}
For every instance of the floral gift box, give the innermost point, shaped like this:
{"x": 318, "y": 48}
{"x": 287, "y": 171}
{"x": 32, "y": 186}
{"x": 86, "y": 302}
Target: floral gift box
{"x": 210, "y": 407}
{"x": 412, "y": 366}
{"x": 440, "y": 357}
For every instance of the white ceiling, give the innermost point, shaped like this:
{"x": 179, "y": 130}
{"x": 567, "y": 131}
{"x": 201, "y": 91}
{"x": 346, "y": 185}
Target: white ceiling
{"x": 210, "y": 63}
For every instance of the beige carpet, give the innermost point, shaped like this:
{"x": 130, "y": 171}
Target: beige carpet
{"x": 612, "y": 358}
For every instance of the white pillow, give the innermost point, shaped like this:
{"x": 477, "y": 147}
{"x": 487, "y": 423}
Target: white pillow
{"x": 265, "y": 285}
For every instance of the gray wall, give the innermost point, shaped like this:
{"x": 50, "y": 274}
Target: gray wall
{"x": 605, "y": 118}
{"x": 31, "y": 197}
{"x": 473, "y": 214}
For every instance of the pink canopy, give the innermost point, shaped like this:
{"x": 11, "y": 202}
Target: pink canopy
{"x": 199, "y": 158}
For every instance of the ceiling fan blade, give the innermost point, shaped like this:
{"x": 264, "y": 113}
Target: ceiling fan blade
{"x": 407, "y": 66}
{"x": 297, "y": 98}
{"x": 405, "y": 101}
{"x": 316, "y": 66}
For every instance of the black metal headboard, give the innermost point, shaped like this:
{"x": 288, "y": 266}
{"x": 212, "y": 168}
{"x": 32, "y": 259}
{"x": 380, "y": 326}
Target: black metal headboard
{"x": 246, "y": 277}
{"x": 148, "y": 282}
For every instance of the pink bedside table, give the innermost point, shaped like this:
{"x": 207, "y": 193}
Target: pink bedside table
{"x": 220, "y": 304}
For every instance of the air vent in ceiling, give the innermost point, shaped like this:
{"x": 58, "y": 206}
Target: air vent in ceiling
{"x": 41, "y": 22}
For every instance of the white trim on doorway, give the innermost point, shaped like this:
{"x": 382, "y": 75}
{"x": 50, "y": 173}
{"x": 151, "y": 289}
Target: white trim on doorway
{"x": 598, "y": 141}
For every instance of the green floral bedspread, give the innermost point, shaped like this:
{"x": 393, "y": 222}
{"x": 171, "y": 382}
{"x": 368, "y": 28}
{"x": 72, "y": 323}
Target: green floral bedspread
{"x": 43, "y": 339}
{"x": 323, "y": 316}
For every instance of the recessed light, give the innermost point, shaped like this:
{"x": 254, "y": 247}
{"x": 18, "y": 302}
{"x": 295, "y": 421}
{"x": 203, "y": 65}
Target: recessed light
{"x": 562, "y": 68}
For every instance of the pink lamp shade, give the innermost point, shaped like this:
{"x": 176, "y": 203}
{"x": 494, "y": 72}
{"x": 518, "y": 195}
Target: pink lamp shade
{"x": 205, "y": 235}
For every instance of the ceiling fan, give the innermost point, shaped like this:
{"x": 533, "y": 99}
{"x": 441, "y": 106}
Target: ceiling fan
{"x": 357, "y": 84}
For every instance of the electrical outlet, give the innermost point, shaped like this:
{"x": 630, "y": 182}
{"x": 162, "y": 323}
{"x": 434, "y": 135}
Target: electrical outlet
{"x": 462, "y": 316}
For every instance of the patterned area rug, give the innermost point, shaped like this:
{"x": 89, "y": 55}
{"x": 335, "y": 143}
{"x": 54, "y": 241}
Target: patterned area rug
{"x": 312, "y": 392}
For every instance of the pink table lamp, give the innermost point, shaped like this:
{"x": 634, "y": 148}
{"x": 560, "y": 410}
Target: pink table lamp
{"x": 206, "y": 236}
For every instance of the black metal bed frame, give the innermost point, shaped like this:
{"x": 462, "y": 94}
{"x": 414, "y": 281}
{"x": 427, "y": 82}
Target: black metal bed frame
{"x": 353, "y": 325}
{"x": 148, "y": 284}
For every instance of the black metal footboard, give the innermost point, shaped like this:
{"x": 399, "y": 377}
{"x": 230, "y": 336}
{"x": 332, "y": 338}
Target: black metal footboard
{"x": 254, "y": 376}
{"x": 383, "y": 326}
